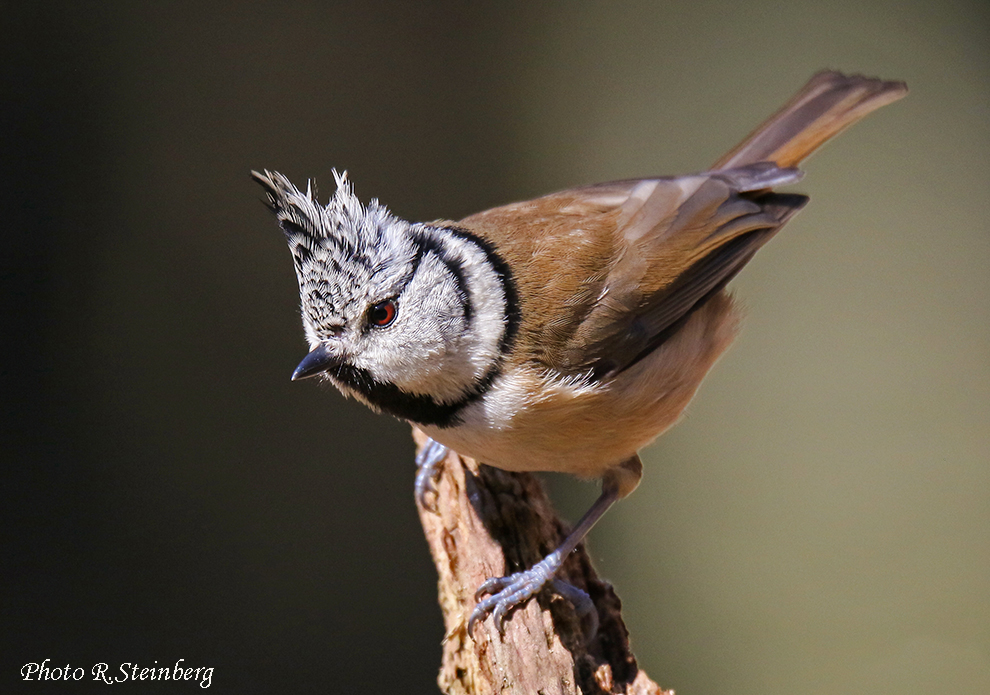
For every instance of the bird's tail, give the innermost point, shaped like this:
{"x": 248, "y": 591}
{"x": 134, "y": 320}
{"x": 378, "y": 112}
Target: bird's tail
{"x": 827, "y": 105}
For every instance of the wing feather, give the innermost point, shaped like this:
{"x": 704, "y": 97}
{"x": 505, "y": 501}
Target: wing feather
{"x": 610, "y": 268}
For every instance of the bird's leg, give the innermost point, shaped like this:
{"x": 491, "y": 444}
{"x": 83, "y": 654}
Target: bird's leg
{"x": 428, "y": 462}
{"x": 505, "y": 593}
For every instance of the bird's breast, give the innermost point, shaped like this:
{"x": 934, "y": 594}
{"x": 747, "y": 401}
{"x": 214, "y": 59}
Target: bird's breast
{"x": 534, "y": 419}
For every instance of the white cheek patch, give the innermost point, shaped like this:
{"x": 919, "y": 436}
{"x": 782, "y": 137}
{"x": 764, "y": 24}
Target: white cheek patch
{"x": 452, "y": 319}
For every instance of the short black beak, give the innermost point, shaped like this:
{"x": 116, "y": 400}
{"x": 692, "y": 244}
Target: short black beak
{"x": 316, "y": 362}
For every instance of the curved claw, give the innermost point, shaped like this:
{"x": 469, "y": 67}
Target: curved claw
{"x": 493, "y": 585}
{"x": 509, "y": 592}
{"x": 428, "y": 463}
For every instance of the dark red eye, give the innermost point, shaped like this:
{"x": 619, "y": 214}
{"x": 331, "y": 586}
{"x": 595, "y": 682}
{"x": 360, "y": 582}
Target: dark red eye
{"x": 382, "y": 314}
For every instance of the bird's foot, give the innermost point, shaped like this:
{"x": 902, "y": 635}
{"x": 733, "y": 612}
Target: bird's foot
{"x": 505, "y": 593}
{"x": 428, "y": 462}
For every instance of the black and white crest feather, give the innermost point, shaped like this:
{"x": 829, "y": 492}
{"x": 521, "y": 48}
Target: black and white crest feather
{"x": 453, "y": 297}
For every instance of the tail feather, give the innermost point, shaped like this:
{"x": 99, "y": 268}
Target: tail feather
{"x": 829, "y": 103}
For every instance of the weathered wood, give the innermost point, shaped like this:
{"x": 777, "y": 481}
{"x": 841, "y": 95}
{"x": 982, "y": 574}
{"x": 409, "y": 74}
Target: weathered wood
{"x": 486, "y": 523}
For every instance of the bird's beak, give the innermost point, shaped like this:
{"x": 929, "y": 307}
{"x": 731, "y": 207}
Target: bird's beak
{"x": 316, "y": 362}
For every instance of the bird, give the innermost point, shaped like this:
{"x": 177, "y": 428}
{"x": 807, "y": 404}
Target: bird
{"x": 563, "y": 333}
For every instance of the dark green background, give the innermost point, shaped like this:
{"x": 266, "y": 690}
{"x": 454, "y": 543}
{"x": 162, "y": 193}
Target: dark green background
{"x": 820, "y": 522}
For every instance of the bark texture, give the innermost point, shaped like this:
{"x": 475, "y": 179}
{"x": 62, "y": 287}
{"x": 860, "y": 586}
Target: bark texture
{"x": 489, "y": 523}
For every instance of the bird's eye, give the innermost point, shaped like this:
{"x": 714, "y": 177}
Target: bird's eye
{"x": 382, "y": 314}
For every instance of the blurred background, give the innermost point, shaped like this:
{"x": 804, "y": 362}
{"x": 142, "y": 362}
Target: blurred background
{"x": 820, "y": 522}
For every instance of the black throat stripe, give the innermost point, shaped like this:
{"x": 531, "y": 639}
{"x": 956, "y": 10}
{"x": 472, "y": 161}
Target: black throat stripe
{"x": 420, "y": 409}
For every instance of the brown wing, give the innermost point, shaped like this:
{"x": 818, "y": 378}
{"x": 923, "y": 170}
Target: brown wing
{"x": 603, "y": 271}
{"x": 672, "y": 257}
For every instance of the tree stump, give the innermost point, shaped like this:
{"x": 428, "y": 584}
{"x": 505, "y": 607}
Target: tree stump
{"x": 489, "y": 523}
